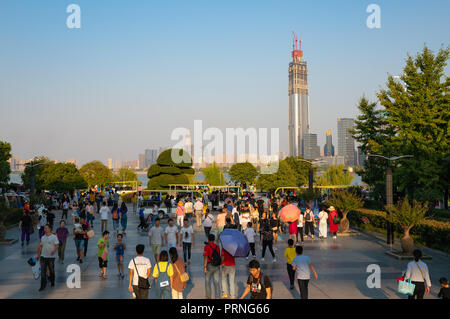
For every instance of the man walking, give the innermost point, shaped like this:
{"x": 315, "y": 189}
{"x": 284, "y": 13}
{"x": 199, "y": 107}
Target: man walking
{"x": 211, "y": 266}
{"x": 139, "y": 266}
{"x": 46, "y": 255}
{"x": 198, "y": 208}
{"x": 156, "y": 239}
{"x": 301, "y": 265}
{"x": 104, "y": 211}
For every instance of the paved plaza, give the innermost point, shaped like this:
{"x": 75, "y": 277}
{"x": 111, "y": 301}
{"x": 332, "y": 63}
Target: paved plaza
{"x": 341, "y": 266}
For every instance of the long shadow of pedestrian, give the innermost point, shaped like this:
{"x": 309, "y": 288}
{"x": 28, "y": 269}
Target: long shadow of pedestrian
{"x": 189, "y": 285}
{"x": 295, "y": 294}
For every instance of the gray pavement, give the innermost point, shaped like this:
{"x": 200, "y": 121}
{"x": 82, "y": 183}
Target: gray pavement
{"x": 341, "y": 266}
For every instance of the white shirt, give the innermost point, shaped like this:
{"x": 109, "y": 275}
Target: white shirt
{"x": 155, "y": 234}
{"x": 104, "y": 212}
{"x": 250, "y": 234}
{"x": 300, "y": 221}
{"x": 189, "y": 231}
{"x": 414, "y": 273}
{"x": 188, "y": 207}
{"x": 198, "y": 205}
{"x": 208, "y": 220}
{"x": 48, "y": 244}
{"x": 142, "y": 266}
{"x": 171, "y": 233}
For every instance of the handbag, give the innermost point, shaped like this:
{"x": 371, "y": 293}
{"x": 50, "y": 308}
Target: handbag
{"x": 105, "y": 253}
{"x": 184, "y": 276}
{"x": 406, "y": 287}
{"x": 90, "y": 233}
{"x": 142, "y": 282}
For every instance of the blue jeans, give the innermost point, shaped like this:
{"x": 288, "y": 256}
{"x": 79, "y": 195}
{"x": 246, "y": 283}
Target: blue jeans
{"x": 115, "y": 224}
{"x": 187, "y": 251}
{"x": 213, "y": 273}
{"x": 228, "y": 273}
{"x": 123, "y": 221}
{"x": 90, "y": 219}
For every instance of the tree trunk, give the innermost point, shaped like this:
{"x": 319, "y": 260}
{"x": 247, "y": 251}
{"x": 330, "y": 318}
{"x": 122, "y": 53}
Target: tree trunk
{"x": 446, "y": 198}
{"x": 345, "y": 223}
{"x": 407, "y": 242}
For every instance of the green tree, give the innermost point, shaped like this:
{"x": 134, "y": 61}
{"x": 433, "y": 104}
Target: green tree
{"x": 373, "y": 133}
{"x": 284, "y": 177}
{"x": 96, "y": 173}
{"x": 214, "y": 175}
{"x": 61, "y": 177}
{"x": 243, "y": 173}
{"x": 35, "y": 167}
{"x": 334, "y": 175}
{"x": 407, "y": 217}
{"x": 420, "y": 116}
{"x": 345, "y": 201}
{"x": 167, "y": 171}
{"x": 5, "y": 155}
{"x": 125, "y": 175}
{"x": 301, "y": 169}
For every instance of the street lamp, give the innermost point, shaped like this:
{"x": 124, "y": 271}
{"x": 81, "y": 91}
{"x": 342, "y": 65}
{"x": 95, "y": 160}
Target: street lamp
{"x": 32, "y": 174}
{"x": 389, "y": 192}
{"x": 345, "y": 175}
{"x": 310, "y": 172}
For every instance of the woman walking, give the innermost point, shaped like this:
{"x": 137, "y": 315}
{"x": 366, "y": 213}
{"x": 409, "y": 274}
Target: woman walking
{"x": 115, "y": 217}
{"x": 75, "y": 212}
{"x": 123, "y": 217}
{"x": 208, "y": 220}
{"x": 180, "y": 214}
{"x": 62, "y": 233}
{"x": 417, "y": 272}
{"x": 162, "y": 273}
{"x": 334, "y": 224}
{"x": 300, "y": 222}
{"x": 323, "y": 216}
{"x": 309, "y": 222}
{"x": 25, "y": 226}
{"x": 275, "y": 226}
{"x": 267, "y": 241}
{"x": 176, "y": 282}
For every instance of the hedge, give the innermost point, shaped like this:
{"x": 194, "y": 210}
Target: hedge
{"x": 430, "y": 233}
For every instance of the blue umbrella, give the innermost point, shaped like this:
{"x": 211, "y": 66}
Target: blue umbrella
{"x": 234, "y": 242}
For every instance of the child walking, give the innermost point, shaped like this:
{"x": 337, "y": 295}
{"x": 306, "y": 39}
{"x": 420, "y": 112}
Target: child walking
{"x": 290, "y": 254}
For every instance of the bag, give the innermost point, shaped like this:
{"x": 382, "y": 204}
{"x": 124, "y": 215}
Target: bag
{"x": 268, "y": 235}
{"x": 184, "y": 276}
{"x": 115, "y": 214}
{"x": 163, "y": 279}
{"x": 215, "y": 257}
{"x": 105, "y": 254}
{"x": 142, "y": 282}
{"x": 308, "y": 216}
{"x": 336, "y": 219}
{"x": 90, "y": 233}
{"x": 406, "y": 287}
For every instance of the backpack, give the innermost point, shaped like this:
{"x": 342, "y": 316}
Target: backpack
{"x": 215, "y": 258}
{"x": 115, "y": 214}
{"x": 163, "y": 280}
{"x": 308, "y": 215}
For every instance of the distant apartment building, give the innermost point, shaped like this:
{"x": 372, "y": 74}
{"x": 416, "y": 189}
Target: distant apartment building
{"x": 346, "y": 143}
{"x": 151, "y": 155}
{"x": 110, "y": 163}
{"x": 361, "y": 157}
{"x": 328, "y": 149}
{"x": 141, "y": 159}
{"x": 72, "y": 161}
{"x": 331, "y": 160}
{"x": 311, "y": 149}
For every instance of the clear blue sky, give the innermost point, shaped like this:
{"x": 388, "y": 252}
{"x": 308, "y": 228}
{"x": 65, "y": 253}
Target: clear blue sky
{"x": 138, "y": 69}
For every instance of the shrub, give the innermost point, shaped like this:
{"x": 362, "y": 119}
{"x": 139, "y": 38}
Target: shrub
{"x": 430, "y": 233}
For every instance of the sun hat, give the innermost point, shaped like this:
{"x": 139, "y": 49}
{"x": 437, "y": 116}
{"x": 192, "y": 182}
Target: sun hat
{"x": 331, "y": 208}
{"x": 180, "y": 203}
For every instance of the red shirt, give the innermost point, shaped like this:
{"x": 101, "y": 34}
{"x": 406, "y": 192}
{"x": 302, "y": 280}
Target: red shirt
{"x": 207, "y": 251}
{"x": 228, "y": 259}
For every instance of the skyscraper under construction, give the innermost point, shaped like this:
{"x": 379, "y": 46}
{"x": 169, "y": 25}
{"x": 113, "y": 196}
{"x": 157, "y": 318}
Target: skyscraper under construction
{"x": 298, "y": 101}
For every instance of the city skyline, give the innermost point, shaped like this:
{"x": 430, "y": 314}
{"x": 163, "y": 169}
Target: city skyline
{"x": 93, "y": 96}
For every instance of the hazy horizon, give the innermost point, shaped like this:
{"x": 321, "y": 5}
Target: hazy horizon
{"x": 137, "y": 70}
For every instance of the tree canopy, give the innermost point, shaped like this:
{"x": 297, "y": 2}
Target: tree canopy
{"x": 167, "y": 171}
{"x": 214, "y": 175}
{"x": 284, "y": 177}
{"x": 334, "y": 175}
{"x": 243, "y": 173}
{"x": 5, "y": 155}
{"x": 96, "y": 173}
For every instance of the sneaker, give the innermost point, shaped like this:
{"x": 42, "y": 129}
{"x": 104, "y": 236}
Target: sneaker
{"x": 40, "y": 289}
{"x": 122, "y": 276}
{"x": 262, "y": 259}
{"x": 22, "y": 244}
{"x": 81, "y": 261}
{"x": 224, "y": 296}
{"x": 78, "y": 258}
{"x": 275, "y": 248}
{"x": 274, "y": 260}
{"x": 246, "y": 257}
{"x": 254, "y": 256}
{"x": 292, "y": 287}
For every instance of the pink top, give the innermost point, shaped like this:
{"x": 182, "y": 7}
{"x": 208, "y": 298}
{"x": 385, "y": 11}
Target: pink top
{"x": 180, "y": 211}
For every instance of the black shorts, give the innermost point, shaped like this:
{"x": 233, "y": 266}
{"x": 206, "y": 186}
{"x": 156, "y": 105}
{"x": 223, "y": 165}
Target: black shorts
{"x": 102, "y": 263}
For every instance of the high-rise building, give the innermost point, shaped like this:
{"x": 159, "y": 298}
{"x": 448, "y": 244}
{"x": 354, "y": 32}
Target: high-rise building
{"x": 118, "y": 164}
{"x": 141, "y": 158}
{"x": 346, "y": 143}
{"x": 110, "y": 163}
{"x": 298, "y": 101}
{"x": 311, "y": 149}
{"x": 150, "y": 157}
{"x": 361, "y": 157}
{"x": 328, "y": 149}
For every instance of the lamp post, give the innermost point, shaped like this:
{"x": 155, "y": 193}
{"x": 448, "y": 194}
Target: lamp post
{"x": 310, "y": 172}
{"x": 345, "y": 175}
{"x": 389, "y": 192}
{"x": 32, "y": 175}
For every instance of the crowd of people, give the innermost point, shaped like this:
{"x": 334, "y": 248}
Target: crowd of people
{"x": 257, "y": 218}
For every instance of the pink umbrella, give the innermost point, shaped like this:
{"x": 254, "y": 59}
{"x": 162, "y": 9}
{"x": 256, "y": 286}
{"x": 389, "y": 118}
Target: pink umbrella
{"x": 290, "y": 213}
